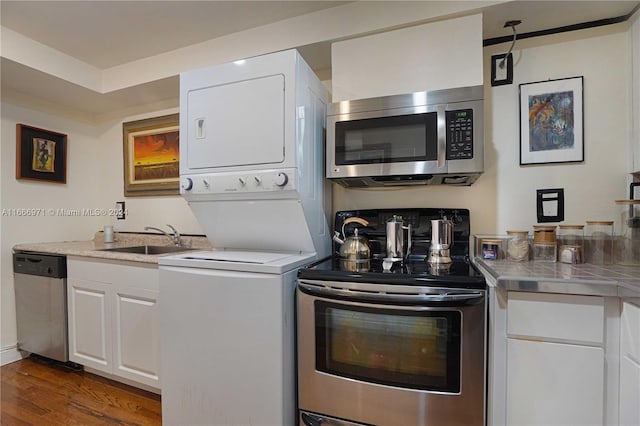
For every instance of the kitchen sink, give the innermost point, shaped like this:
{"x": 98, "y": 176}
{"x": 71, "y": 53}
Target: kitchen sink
{"x": 148, "y": 249}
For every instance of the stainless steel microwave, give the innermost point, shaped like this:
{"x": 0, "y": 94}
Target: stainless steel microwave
{"x": 421, "y": 138}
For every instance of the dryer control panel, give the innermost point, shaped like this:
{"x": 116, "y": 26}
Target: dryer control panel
{"x": 239, "y": 183}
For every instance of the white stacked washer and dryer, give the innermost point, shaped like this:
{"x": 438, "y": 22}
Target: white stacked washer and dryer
{"x": 251, "y": 169}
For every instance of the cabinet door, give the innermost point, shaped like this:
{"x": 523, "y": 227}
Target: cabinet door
{"x": 89, "y": 324}
{"x": 630, "y": 365}
{"x": 554, "y": 384}
{"x": 629, "y": 392}
{"x": 136, "y": 336}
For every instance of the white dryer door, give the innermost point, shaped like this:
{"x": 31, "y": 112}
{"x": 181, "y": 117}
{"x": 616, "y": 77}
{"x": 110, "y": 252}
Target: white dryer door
{"x": 236, "y": 124}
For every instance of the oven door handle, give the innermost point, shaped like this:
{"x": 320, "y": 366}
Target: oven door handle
{"x": 453, "y": 296}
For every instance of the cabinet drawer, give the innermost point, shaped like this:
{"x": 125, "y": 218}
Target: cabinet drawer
{"x": 630, "y": 331}
{"x": 556, "y": 317}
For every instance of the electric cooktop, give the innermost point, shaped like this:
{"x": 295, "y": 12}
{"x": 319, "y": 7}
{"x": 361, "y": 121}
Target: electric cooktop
{"x": 414, "y": 270}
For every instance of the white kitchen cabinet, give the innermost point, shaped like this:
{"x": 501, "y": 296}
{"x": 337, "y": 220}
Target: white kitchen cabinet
{"x": 554, "y": 384}
{"x": 630, "y": 365}
{"x": 556, "y": 370}
{"x": 113, "y": 319}
{"x": 89, "y": 323}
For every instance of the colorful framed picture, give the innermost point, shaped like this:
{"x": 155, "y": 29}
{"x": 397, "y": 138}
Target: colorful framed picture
{"x": 40, "y": 154}
{"x": 552, "y": 121}
{"x": 152, "y": 156}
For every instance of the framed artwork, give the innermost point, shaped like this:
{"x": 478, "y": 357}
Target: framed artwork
{"x": 40, "y": 154}
{"x": 151, "y": 156}
{"x": 501, "y": 69}
{"x": 552, "y": 121}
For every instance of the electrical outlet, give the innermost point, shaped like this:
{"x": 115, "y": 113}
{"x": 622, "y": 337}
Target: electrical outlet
{"x": 550, "y": 205}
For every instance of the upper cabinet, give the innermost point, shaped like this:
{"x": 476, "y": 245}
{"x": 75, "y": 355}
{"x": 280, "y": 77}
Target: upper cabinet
{"x": 437, "y": 55}
{"x": 635, "y": 90}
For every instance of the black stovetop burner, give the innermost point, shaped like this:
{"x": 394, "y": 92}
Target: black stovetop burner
{"x": 415, "y": 270}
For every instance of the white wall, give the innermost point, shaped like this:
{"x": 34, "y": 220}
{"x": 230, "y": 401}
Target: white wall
{"x": 504, "y": 196}
{"x": 83, "y": 174}
{"x": 634, "y": 54}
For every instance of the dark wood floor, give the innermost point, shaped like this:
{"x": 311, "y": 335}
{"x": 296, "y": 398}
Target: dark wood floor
{"x": 38, "y": 393}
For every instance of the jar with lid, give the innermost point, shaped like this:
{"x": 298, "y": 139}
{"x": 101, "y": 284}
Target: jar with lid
{"x": 599, "y": 242}
{"x": 571, "y": 243}
{"x": 544, "y": 243}
{"x": 491, "y": 249}
{"x": 627, "y": 251}
{"x": 518, "y": 246}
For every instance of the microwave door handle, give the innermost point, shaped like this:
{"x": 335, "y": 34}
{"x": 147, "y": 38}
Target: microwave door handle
{"x": 442, "y": 137}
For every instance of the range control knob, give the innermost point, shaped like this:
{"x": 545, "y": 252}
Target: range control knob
{"x": 186, "y": 184}
{"x": 282, "y": 179}
{"x": 242, "y": 181}
{"x": 206, "y": 183}
{"x": 258, "y": 180}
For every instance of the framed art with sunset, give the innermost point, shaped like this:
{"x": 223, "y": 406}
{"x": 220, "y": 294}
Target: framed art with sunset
{"x": 152, "y": 156}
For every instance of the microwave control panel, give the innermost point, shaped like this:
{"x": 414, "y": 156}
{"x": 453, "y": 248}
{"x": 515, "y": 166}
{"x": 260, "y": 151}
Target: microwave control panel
{"x": 459, "y": 134}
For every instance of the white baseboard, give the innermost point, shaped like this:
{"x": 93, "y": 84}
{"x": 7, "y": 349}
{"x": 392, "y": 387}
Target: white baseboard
{"x": 10, "y": 354}
{"x": 123, "y": 380}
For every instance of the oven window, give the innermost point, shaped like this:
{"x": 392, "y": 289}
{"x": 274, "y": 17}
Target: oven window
{"x": 400, "y": 138}
{"x": 409, "y": 349}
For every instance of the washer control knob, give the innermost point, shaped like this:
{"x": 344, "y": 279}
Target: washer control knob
{"x": 206, "y": 183}
{"x": 242, "y": 181}
{"x": 186, "y": 184}
{"x": 258, "y": 180}
{"x": 282, "y": 179}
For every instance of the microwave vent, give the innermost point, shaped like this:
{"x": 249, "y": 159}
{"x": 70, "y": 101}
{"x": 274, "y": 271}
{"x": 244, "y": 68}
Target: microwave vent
{"x": 408, "y": 180}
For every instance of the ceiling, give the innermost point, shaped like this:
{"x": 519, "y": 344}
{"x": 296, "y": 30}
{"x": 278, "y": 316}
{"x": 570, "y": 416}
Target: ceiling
{"x": 109, "y": 33}
{"x": 106, "y": 34}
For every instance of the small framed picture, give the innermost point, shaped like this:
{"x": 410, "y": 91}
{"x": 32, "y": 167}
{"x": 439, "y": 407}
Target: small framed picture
{"x": 501, "y": 69}
{"x": 552, "y": 121}
{"x": 41, "y": 155}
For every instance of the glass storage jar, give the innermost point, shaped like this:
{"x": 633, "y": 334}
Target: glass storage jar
{"x": 518, "y": 246}
{"x": 544, "y": 243}
{"x": 599, "y": 242}
{"x": 571, "y": 243}
{"x": 627, "y": 250}
{"x": 491, "y": 249}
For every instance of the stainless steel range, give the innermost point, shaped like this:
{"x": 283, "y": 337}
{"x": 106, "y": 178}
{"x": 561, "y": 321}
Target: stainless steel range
{"x": 399, "y": 344}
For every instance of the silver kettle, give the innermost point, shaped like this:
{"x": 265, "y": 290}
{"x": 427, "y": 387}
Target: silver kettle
{"x": 355, "y": 252}
{"x": 441, "y": 241}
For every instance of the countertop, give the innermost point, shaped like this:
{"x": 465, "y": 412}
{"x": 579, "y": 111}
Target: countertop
{"x": 556, "y": 277}
{"x": 94, "y": 248}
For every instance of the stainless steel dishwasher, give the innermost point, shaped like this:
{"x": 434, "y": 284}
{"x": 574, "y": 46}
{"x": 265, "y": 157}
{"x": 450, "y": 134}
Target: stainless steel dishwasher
{"x": 41, "y": 304}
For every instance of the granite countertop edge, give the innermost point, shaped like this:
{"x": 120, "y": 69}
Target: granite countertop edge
{"x": 96, "y": 248}
{"x": 595, "y": 280}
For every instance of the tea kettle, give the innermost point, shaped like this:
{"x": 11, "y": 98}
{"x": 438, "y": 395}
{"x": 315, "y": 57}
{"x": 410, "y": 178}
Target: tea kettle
{"x": 355, "y": 252}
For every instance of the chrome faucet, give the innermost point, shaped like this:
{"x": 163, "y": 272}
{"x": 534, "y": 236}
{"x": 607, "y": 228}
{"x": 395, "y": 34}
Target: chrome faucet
{"x": 175, "y": 237}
